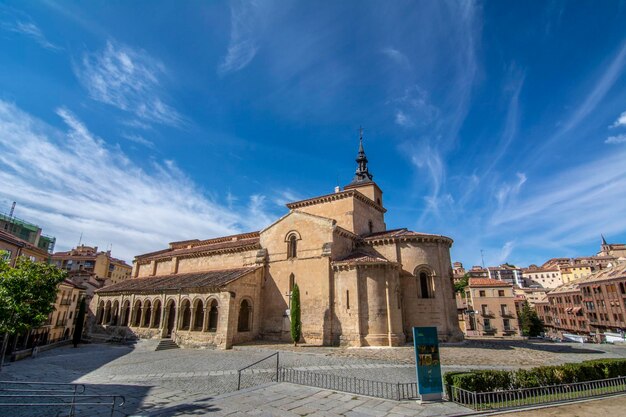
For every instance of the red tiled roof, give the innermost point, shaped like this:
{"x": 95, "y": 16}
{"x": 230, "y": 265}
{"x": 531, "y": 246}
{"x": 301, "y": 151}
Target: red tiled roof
{"x": 400, "y": 233}
{"x": 175, "y": 282}
{"x": 487, "y": 282}
{"x": 252, "y": 242}
{"x": 359, "y": 257}
{"x": 72, "y": 284}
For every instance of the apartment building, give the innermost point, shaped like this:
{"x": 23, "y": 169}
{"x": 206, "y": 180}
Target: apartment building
{"x": 490, "y": 308}
{"x": 535, "y": 276}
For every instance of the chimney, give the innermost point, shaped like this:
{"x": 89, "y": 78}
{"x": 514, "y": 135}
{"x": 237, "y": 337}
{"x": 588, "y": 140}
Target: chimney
{"x": 337, "y": 189}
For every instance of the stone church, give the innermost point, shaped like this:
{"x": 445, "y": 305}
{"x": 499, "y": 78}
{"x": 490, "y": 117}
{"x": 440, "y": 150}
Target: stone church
{"x": 360, "y": 284}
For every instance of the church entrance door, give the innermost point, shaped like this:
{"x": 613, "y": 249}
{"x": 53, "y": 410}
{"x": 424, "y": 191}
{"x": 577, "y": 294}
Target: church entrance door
{"x": 171, "y": 319}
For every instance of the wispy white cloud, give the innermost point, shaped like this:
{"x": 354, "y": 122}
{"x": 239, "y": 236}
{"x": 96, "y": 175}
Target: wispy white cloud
{"x": 397, "y": 57}
{"x": 602, "y": 86}
{"x": 128, "y": 79}
{"x": 613, "y": 140}
{"x": 414, "y": 108}
{"x": 71, "y": 182}
{"x": 621, "y": 120}
{"x": 30, "y": 30}
{"x": 570, "y": 207}
{"x": 507, "y": 192}
{"x": 505, "y": 252}
{"x": 138, "y": 139}
{"x": 15, "y": 21}
{"x": 243, "y": 43}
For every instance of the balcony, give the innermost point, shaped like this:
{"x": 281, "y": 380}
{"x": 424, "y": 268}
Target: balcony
{"x": 490, "y": 331}
{"x": 66, "y": 301}
{"x": 60, "y": 323}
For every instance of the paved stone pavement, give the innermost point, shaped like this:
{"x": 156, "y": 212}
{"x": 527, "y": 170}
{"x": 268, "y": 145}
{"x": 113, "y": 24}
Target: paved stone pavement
{"x": 159, "y": 382}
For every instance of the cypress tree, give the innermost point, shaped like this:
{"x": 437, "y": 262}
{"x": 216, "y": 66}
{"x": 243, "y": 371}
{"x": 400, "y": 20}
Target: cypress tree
{"x": 80, "y": 319}
{"x": 296, "y": 324}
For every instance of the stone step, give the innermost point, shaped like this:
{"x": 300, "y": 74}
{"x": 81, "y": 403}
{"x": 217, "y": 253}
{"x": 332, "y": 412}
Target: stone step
{"x": 166, "y": 344}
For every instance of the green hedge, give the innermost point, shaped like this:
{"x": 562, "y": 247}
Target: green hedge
{"x": 485, "y": 381}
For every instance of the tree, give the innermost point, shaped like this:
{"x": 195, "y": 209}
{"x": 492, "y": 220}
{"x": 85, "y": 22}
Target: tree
{"x": 529, "y": 322}
{"x": 461, "y": 284}
{"x": 80, "y": 320}
{"x": 27, "y": 295}
{"x": 296, "y": 324}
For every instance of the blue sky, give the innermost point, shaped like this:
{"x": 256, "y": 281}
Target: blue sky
{"x": 499, "y": 124}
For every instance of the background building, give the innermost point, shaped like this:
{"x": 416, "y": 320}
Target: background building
{"x": 15, "y": 247}
{"x": 535, "y": 276}
{"x": 87, "y": 259}
{"x": 490, "y": 308}
{"x": 27, "y": 232}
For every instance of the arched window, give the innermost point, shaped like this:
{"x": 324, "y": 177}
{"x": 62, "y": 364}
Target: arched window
{"x": 148, "y": 315}
{"x": 213, "y": 316}
{"x": 137, "y": 314}
{"x": 186, "y": 313}
{"x": 126, "y": 313}
{"x": 244, "y": 317}
{"x": 157, "y": 314}
{"x": 425, "y": 285}
{"x": 198, "y": 319}
{"x": 292, "y": 246}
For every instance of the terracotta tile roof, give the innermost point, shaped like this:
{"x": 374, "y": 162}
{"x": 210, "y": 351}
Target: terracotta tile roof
{"x": 616, "y": 272}
{"x": 361, "y": 257}
{"x": 175, "y": 282}
{"x": 487, "y": 282}
{"x": 212, "y": 245}
{"x": 400, "y": 233}
{"x": 72, "y": 284}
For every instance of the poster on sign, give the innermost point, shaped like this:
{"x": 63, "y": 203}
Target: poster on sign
{"x": 427, "y": 365}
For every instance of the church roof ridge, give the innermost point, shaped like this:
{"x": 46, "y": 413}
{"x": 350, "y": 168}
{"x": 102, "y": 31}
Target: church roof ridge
{"x": 220, "y": 246}
{"x": 335, "y": 196}
{"x": 403, "y": 233}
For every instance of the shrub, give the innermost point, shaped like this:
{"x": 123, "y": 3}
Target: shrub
{"x": 484, "y": 381}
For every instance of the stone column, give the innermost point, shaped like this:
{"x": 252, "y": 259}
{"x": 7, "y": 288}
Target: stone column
{"x": 228, "y": 323}
{"x": 205, "y": 325}
{"x": 144, "y": 310}
{"x": 192, "y": 318}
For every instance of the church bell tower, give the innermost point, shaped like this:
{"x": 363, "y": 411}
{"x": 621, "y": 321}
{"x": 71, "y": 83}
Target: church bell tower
{"x": 363, "y": 180}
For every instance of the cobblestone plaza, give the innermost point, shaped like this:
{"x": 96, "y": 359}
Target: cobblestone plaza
{"x": 198, "y": 381}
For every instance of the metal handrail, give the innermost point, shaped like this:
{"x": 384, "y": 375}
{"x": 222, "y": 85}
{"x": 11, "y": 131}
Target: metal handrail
{"x": 389, "y": 390}
{"x": 523, "y": 397}
{"x": 75, "y": 401}
{"x": 48, "y": 384}
{"x": 257, "y": 362}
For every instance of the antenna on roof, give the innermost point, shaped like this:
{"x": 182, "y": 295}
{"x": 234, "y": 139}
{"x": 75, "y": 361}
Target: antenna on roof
{"x": 482, "y": 256}
{"x": 12, "y": 210}
{"x": 80, "y": 240}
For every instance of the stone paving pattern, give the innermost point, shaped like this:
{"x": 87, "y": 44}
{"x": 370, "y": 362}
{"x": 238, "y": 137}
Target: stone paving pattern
{"x": 194, "y": 381}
